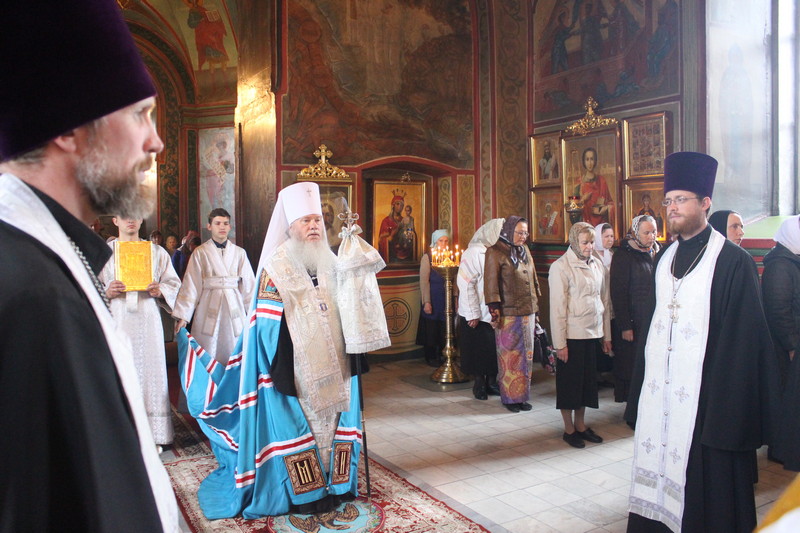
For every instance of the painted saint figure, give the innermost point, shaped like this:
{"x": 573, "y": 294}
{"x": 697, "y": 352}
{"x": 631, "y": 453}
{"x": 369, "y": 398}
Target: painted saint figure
{"x": 390, "y": 244}
{"x": 548, "y": 165}
{"x": 549, "y": 224}
{"x": 598, "y": 205}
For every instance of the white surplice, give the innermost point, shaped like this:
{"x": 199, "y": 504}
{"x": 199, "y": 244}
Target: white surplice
{"x": 217, "y": 290}
{"x": 675, "y": 352}
{"x": 137, "y": 313}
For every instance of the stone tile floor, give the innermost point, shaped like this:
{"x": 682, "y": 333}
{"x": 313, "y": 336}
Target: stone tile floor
{"x": 510, "y": 472}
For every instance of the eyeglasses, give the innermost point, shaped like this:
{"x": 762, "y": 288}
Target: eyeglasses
{"x": 521, "y": 233}
{"x": 680, "y": 200}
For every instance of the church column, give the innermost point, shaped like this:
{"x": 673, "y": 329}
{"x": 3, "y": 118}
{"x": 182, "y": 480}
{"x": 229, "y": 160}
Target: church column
{"x": 256, "y": 122}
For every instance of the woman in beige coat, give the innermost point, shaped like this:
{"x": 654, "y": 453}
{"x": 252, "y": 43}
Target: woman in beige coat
{"x": 580, "y": 325}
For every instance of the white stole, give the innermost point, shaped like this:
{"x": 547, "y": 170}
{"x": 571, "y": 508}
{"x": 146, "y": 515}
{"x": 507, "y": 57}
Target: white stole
{"x": 321, "y": 367}
{"x": 674, "y": 357}
{"x": 21, "y": 208}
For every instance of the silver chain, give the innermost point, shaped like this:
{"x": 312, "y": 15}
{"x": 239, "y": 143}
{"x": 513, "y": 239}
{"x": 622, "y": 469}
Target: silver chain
{"x": 97, "y": 284}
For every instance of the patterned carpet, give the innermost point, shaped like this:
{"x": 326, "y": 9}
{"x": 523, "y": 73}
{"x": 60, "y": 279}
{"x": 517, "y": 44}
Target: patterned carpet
{"x": 395, "y": 506}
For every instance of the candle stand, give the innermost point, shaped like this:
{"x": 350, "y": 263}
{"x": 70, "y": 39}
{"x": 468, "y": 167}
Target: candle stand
{"x": 449, "y": 372}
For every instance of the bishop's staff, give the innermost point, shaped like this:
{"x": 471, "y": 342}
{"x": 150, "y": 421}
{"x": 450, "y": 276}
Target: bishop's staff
{"x": 359, "y": 303}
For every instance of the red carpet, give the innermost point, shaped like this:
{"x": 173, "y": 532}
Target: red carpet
{"x": 396, "y": 505}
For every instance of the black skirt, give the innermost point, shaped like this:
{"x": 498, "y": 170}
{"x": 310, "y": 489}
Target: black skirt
{"x": 431, "y": 333}
{"x": 576, "y": 380}
{"x": 786, "y": 445}
{"x": 478, "y": 348}
{"x": 624, "y": 356}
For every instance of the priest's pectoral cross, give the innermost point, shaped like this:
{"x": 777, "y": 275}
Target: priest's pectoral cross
{"x": 673, "y": 308}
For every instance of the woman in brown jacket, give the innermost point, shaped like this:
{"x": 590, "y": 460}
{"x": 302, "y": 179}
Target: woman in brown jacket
{"x": 511, "y": 289}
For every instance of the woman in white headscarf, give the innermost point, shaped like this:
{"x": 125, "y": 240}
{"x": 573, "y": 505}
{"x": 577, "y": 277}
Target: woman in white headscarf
{"x": 475, "y": 333}
{"x": 781, "y": 291}
{"x": 580, "y": 323}
{"x": 603, "y": 241}
{"x": 431, "y": 329}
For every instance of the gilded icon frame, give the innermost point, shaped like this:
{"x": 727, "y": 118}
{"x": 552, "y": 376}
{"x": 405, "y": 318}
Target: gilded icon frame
{"x": 547, "y": 226}
{"x": 603, "y": 189}
{"x": 646, "y": 141}
{"x": 644, "y": 197}
{"x": 406, "y": 249}
{"x": 545, "y": 172}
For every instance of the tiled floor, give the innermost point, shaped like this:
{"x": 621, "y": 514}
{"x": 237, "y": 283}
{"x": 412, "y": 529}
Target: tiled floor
{"x": 510, "y": 472}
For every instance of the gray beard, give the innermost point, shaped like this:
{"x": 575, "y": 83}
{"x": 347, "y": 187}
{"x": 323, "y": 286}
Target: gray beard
{"x": 114, "y": 192}
{"x": 315, "y": 257}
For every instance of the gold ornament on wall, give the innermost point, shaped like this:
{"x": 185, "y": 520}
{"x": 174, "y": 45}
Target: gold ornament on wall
{"x": 323, "y": 170}
{"x": 590, "y": 121}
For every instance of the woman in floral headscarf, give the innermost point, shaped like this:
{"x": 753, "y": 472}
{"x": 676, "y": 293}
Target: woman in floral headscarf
{"x": 580, "y": 323}
{"x": 631, "y": 295}
{"x": 511, "y": 293}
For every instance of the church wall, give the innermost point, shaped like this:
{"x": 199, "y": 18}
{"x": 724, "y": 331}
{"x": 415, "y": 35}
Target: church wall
{"x": 414, "y": 94}
{"x": 175, "y": 92}
{"x": 634, "y": 59}
{"x": 509, "y": 104}
{"x": 196, "y": 99}
{"x": 256, "y": 121}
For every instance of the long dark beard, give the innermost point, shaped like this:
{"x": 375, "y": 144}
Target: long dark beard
{"x": 115, "y": 191}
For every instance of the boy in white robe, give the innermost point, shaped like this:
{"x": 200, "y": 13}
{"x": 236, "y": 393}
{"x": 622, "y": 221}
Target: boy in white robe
{"x": 137, "y": 313}
{"x": 217, "y": 290}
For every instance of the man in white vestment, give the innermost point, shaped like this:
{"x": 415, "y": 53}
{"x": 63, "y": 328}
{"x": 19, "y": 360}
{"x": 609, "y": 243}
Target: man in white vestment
{"x": 137, "y": 313}
{"x": 217, "y": 290}
{"x": 76, "y": 140}
{"x": 296, "y": 398}
{"x": 707, "y": 391}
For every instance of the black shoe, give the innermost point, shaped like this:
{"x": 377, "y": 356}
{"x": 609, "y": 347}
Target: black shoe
{"x": 573, "y": 439}
{"x": 513, "y": 407}
{"x": 479, "y": 388}
{"x": 491, "y": 386}
{"x": 589, "y": 435}
{"x": 525, "y": 406}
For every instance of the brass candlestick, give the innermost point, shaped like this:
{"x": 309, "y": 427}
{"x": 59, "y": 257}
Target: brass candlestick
{"x": 449, "y": 372}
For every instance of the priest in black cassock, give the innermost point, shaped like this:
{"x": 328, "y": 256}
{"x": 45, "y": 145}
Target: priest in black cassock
{"x": 708, "y": 387}
{"x": 76, "y": 137}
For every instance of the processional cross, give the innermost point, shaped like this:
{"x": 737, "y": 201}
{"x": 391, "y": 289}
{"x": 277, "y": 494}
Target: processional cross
{"x": 348, "y": 217}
